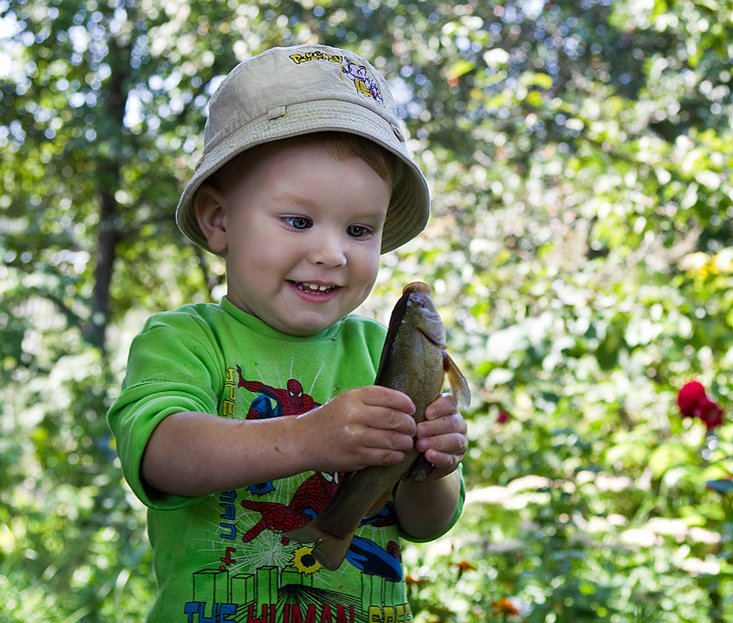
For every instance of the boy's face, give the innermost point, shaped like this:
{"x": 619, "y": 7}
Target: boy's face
{"x": 301, "y": 231}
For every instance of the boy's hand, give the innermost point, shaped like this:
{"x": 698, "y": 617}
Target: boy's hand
{"x": 364, "y": 426}
{"x": 442, "y": 436}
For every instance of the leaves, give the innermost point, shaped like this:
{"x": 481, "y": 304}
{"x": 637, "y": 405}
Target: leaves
{"x": 579, "y": 249}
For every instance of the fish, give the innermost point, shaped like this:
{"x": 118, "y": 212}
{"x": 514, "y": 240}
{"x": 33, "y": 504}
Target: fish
{"x": 414, "y": 361}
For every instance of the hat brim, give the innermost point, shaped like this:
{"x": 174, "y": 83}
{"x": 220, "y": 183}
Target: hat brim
{"x": 410, "y": 204}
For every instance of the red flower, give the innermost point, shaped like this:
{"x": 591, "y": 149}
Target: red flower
{"x": 503, "y": 417}
{"x": 694, "y": 403}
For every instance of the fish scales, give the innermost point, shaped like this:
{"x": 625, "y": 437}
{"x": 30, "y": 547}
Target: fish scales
{"x": 413, "y": 361}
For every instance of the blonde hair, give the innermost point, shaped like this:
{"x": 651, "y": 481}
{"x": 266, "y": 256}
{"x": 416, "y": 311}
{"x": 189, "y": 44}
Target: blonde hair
{"x": 341, "y": 145}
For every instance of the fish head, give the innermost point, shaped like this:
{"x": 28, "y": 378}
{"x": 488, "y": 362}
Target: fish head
{"x": 421, "y": 314}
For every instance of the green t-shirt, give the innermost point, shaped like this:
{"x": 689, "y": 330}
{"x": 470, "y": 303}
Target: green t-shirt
{"x": 222, "y": 557}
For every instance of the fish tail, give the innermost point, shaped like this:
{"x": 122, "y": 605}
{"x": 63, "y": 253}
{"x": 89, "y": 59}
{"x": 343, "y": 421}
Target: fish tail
{"x": 329, "y": 550}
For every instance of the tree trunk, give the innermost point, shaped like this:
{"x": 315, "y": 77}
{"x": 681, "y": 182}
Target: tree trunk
{"x": 109, "y": 179}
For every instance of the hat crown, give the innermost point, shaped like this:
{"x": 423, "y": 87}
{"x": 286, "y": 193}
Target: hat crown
{"x": 295, "y": 75}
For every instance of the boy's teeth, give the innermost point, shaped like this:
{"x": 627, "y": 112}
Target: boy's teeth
{"x": 315, "y": 286}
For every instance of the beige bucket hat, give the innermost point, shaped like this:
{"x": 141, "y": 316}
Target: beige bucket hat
{"x": 291, "y": 91}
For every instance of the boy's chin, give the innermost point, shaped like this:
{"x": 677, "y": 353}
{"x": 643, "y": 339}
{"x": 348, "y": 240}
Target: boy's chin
{"x": 306, "y": 329}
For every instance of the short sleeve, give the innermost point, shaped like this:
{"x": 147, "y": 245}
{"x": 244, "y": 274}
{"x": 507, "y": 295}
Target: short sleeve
{"x": 172, "y": 368}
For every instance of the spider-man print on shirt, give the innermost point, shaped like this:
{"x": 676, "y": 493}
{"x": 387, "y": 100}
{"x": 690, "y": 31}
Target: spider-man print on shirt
{"x": 309, "y": 500}
{"x": 290, "y": 401}
{"x": 313, "y": 495}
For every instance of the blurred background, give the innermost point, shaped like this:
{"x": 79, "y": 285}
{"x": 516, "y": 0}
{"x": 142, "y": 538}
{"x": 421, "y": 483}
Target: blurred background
{"x": 580, "y": 251}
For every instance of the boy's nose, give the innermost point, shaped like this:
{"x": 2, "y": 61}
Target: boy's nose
{"x": 329, "y": 250}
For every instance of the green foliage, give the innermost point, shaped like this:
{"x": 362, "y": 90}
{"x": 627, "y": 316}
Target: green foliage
{"x": 580, "y": 250}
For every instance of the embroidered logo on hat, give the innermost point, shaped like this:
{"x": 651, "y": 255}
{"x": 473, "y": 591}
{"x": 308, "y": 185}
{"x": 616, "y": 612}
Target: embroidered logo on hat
{"x": 357, "y": 75}
{"x": 364, "y": 83}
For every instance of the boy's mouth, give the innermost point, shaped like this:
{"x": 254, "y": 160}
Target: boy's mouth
{"x": 314, "y": 288}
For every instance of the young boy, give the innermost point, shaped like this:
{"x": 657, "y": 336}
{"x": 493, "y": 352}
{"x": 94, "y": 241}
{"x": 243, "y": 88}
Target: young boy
{"x": 236, "y": 420}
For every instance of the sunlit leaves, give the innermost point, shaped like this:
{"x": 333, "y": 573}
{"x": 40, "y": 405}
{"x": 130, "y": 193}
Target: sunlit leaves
{"x": 580, "y": 251}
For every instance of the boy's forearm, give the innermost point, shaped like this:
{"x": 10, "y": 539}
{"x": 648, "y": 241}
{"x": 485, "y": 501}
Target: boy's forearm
{"x": 197, "y": 453}
{"x": 426, "y": 509}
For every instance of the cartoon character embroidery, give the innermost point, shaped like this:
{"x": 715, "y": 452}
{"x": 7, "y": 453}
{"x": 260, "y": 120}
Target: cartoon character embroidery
{"x": 364, "y": 83}
{"x": 310, "y": 499}
{"x": 290, "y": 401}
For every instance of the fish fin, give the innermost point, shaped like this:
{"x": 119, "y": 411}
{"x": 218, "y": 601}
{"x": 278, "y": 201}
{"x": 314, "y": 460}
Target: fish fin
{"x": 420, "y": 469}
{"x": 329, "y": 550}
{"x": 308, "y": 533}
{"x": 457, "y": 381}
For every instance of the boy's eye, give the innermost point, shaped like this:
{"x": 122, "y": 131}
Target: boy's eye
{"x": 357, "y": 231}
{"x": 298, "y": 222}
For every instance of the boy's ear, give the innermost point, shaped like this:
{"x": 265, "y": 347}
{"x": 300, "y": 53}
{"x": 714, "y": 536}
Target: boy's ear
{"x": 211, "y": 217}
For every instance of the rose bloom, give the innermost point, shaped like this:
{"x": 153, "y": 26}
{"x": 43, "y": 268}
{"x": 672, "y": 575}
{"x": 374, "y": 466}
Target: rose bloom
{"x": 694, "y": 403}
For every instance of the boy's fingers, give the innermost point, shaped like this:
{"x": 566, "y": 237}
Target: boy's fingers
{"x": 453, "y": 444}
{"x": 394, "y": 431}
{"x": 443, "y": 405}
{"x": 442, "y": 426}
{"x": 399, "y": 422}
{"x": 379, "y": 396}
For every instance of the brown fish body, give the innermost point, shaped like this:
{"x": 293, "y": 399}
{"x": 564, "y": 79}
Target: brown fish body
{"x": 414, "y": 361}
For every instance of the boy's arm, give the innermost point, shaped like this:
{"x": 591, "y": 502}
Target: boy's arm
{"x": 193, "y": 454}
{"x": 427, "y": 509}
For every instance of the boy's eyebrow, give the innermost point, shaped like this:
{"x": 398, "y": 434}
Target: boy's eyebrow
{"x": 298, "y": 200}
